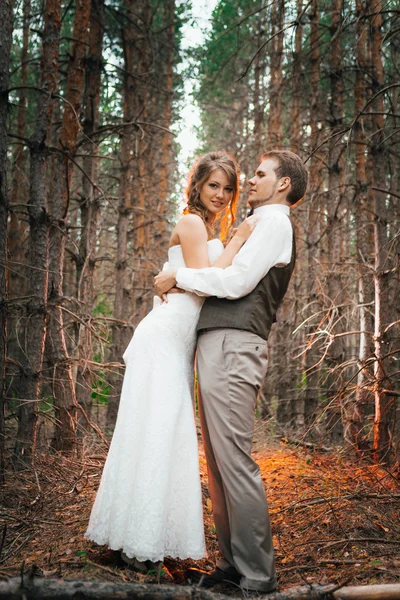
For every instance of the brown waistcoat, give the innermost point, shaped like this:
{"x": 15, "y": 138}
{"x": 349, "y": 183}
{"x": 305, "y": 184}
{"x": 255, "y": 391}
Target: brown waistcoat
{"x": 255, "y": 312}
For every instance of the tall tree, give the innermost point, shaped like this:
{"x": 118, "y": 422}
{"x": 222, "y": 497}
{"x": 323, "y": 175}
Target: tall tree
{"x": 297, "y": 79}
{"x": 19, "y": 191}
{"x": 36, "y": 307}
{"x": 89, "y": 202}
{"x": 356, "y": 432}
{"x": 383, "y": 400}
{"x": 63, "y": 389}
{"x": 274, "y": 123}
{"x": 141, "y": 238}
{"x": 311, "y": 312}
{"x": 123, "y": 289}
{"x": 5, "y": 43}
{"x": 336, "y": 354}
{"x": 164, "y": 159}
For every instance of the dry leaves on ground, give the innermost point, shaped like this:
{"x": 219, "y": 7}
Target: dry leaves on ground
{"x": 334, "y": 520}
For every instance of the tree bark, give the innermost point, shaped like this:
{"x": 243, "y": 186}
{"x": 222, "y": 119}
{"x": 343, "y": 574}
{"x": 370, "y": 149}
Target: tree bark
{"x": 274, "y": 123}
{"x": 310, "y": 377}
{"x": 89, "y": 206}
{"x": 123, "y": 289}
{"x": 6, "y": 26}
{"x": 36, "y": 308}
{"x": 259, "y": 93}
{"x": 19, "y": 188}
{"x": 49, "y": 589}
{"x": 143, "y": 289}
{"x": 161, "y": 229}
{"x": 383, "y": 401}
{"x": 335, "y": 284}
{"x": 355, "y": 431}
{"x": 297, "y": 75}
{"x": 64, "y": 400}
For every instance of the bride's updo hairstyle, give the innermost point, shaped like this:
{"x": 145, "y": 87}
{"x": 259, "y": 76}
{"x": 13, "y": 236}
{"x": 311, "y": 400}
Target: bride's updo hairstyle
{"x": 199, "y": 174}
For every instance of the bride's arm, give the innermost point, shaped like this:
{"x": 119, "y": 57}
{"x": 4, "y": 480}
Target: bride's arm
{"x": 242, "y": 234}
{"x": 192, "y": 236}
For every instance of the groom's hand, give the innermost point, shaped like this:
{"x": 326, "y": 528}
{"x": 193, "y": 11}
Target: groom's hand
{"x": 164, "y": 282}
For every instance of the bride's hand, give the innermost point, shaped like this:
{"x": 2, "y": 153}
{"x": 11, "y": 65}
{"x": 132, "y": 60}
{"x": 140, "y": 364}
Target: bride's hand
{"x": 164, "y": 281}
{"x": 246, "y": 228}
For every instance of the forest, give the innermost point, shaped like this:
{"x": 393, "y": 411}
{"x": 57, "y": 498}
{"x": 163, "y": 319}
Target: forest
{"x": 92, "y": 94}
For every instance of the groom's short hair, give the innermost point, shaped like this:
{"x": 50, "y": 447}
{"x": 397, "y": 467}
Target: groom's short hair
{"x": 290, "y": 165}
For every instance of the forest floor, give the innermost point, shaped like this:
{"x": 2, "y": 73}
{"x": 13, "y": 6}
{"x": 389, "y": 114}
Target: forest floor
{"x": 334, "y": 519}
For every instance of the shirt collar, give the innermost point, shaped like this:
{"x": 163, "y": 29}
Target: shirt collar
{"x": 267, "y": 208}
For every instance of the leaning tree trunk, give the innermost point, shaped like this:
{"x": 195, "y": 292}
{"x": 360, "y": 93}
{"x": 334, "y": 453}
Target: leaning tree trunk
{"x": 37, "y": 264}
{"x": 64, "y": 400}
{"x": 89, "y": 206}
{"x": 6, "y": 8}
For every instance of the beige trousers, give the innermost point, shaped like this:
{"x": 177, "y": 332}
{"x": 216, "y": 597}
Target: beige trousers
{"x": 231, "y": 365}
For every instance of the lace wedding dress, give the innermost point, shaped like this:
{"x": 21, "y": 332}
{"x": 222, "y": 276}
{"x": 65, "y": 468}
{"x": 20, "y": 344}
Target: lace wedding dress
{"x": 149, "y": 500}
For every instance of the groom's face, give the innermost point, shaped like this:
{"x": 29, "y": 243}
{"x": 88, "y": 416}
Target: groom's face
{"x": 264, "y": 184}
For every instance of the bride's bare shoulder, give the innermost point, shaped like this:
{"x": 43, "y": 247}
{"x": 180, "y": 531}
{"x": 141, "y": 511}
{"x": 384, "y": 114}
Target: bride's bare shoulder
{"x": 190, "y": 228}
{"x": 191, "y": 222}
{"x": 191, "y": 218}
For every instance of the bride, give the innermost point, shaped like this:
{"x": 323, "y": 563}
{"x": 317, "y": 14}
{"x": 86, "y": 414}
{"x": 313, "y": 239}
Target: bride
{"x": 149, "y": 501}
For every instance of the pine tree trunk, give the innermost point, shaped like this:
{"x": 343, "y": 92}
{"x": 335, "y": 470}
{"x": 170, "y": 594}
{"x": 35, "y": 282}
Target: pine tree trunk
{"x": 64, "y": 399}
{"x": 143, "y": 286}
{"x": 18, "y": 226}
{"x": 259, "y": 94}
{"x": 6, "y": 25}
{"x": 295, "y": 117}
{"x": 89, "y": 205}
{"x": 274, "y": 124}
{"x": 311, "y": 360}
{"x": 123, "y": 290}
{"x": 383, "y": 401}
{"x": 19, "y": 188}
{"x": 363, "y": 210}
{"x": 161, "y": 229}
{"x": 336, "y": 353}
{"x": 36, "y": 309}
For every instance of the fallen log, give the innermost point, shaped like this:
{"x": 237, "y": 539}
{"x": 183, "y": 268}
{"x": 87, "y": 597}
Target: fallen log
{"x": 61, "y": 589}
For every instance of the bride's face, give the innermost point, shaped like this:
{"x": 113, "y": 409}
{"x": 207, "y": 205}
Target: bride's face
{"x": 216, "y": 193}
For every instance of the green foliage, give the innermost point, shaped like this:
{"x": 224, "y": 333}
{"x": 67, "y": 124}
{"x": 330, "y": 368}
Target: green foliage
{"x": 100, "y": 386}
{"x": 302, "y": 384}
{"x": 46, "y": 404}
{"x": 102, "y": 307}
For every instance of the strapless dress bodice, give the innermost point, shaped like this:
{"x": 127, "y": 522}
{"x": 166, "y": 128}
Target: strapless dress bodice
{"x": 175, "y": 254}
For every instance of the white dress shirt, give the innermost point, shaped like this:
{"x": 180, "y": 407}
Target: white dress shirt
{"x": 270, "y": 245}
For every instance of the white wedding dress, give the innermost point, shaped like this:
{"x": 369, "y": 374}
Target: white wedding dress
{"x": 149, "y": 501}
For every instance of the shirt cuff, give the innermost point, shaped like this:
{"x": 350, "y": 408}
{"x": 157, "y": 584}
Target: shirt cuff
{"x": 184, "y": 279}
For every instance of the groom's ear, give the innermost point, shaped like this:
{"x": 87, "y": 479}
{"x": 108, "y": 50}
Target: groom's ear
{"x": 284, "y": 183}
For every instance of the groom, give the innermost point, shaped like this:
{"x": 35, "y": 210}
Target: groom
{"x": 232, "y": 361}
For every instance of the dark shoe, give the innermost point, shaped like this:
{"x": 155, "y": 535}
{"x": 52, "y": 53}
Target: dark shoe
{"x": 211, "y": 578}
